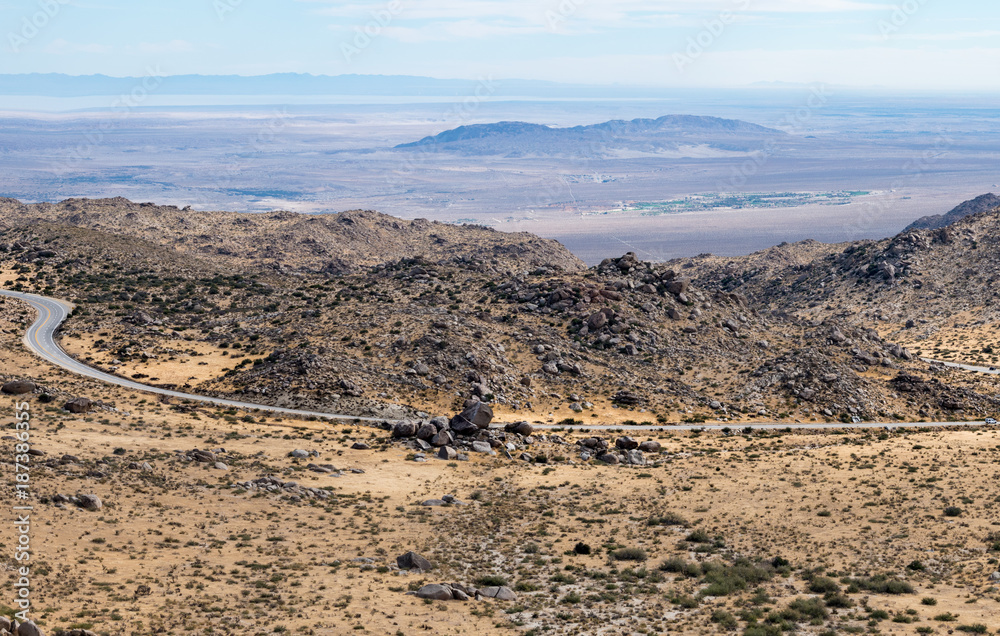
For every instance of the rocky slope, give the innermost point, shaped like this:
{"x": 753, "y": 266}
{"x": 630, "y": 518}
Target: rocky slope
{"x": 982, "y": 203}
{"x": 799, "y": 332}
{"x": 333, "y": 243}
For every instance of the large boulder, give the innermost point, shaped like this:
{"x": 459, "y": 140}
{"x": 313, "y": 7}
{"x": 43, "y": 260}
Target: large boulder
{"x": 406, "y": 428}
{"x": 18, "y": 387}
{"x": 436, "y": 592}
{"x": 521, "y": 428}
{"x": 28, "y": 628}
{"x": 626, "y": 443}
{"x": 89, "y": 502}
{"x": 413, "y": 561}
{"x": 479, "y": 415}
{"x": 501, "y": 593}
{"x": 426, "y": 432}
{"x": 650, "y": 446}
{"x": 78, "y": 405}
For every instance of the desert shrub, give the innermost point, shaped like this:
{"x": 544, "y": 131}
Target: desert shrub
{"x": 805, "y": 609}
{"x": 667, "y": 519}
{"x": 881, "y": 584}
{"x": 698, "y": 536}
{"x": 678, "y": 565}
{"x": 629, "y": 554}
{"x": 952, "y": 511}
{"x": 724, "y": 619}
{"x": 823, "y": 585}
{"x": 723, "y": 580}
{"x": 762, "y": 630}
{"x": 927, "y": 600}
{"x": 581, "y": 548}
{"x": 947, "y": 617}
{"x": 837, "y": 600}
{"x": 916, "y": 566}
{"x": 491, "y": 580}
{"x": 978, "y": 628}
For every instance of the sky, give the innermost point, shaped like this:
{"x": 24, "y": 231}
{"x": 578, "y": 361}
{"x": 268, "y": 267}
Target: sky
{"x": 907, "y": 44}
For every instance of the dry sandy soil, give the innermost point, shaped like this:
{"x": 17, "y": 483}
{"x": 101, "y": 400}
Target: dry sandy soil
{"x": 176, "y": 549}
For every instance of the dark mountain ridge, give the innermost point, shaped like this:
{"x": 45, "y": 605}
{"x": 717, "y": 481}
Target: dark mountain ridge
{"x": 664, "y": 134}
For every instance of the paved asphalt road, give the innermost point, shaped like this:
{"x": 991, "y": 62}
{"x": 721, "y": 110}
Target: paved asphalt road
{"x": 40, "y": 339}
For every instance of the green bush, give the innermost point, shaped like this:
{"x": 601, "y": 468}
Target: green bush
{"x": 677, "y": 565}
{"x": 698, "y": 536}
{"x": 724, "y": 619}
{"x": 667, "y": 519}
{"x": 629, "y": 554}
{"x": 491, "y": 580}
{"x": 723, "y": 580}
{"x": 953, "y": 511}
{"x": 978, "y": 628}
{"x": 823, "y": 585}
{"x": 880, "y": 584}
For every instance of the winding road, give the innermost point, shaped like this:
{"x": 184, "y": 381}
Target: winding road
{"x": 40, "y": 338}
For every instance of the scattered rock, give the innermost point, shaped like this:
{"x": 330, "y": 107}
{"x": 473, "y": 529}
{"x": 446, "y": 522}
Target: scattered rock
{"x": 18, "y": 387}
{"x": 78, "y": 405}
{"x": 413, "y": 561}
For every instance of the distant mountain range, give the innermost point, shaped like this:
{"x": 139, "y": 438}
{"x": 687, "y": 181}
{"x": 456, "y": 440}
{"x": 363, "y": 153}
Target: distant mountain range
{"x": 61, "y": 85}
{"x": 667, "y": 134}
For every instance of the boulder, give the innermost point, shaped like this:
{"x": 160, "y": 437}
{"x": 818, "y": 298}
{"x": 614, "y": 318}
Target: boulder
{"x": 436, "y": 592}
{"x": 597, "y": 321}
{"x": 426, "y": 432}
{"x": 521, "y": 428}
{"x": 413, "y": 561}
{"x": 28, "y": 628}
{"x": 89, "y": 502}
{"x": 447, "y": 452}
{"x": 609, "y": 458}
{"x": 481, "y": 447}
{"x": 18, "y": 387}
{"x": 500, "y": 593}
{"x": 78, "y": 405}
{"x": 678, "y": 286}
{"x": 406, "y": 428}
{"x": 443, "y": 438}
{"x": 360, "y": 446}
{"x": 626, "y": 443}
{"x": 650, "y": 447}
{"x": 298, "y": 453}
{"x": 635, "y": 458}
{"x": 479, "y": 415}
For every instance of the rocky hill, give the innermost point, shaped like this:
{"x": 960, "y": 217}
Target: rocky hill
{"x": 670, "y": 133}
{"x": 287, "y": 241}
{"x": 804, "y": 332}
{"x": 982, "y": 203}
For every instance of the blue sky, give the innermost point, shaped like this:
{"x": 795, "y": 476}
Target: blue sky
{"x": 912, "y": 44}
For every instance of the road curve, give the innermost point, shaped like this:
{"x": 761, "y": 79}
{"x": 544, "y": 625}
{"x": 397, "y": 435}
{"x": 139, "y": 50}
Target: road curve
{"x": 965, "y": 367}
{"x": 40, "y": 339}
